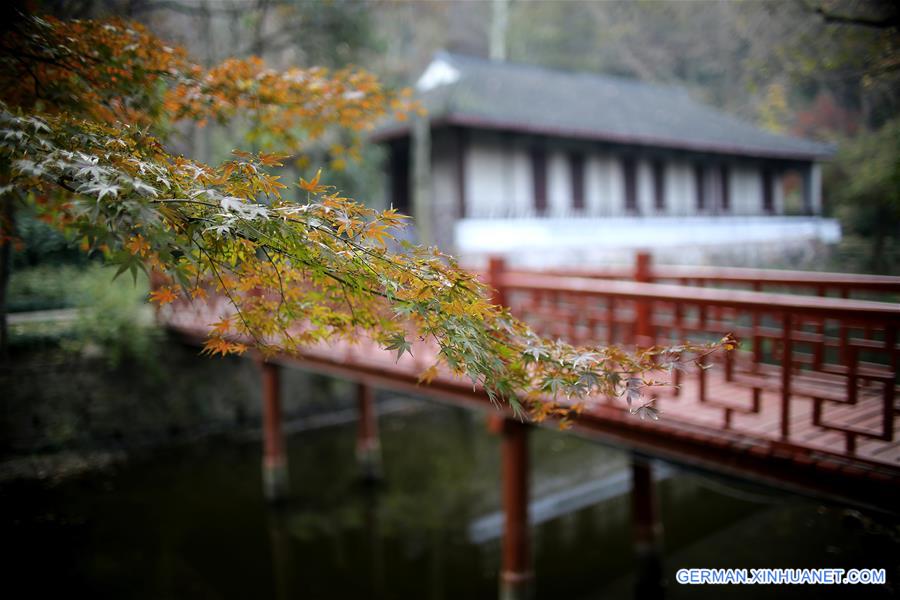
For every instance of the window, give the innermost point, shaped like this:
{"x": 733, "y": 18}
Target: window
{"x": 629, "y": 169}
{"x": 725, "y": 197}
{"x": 398, "y": 167}
{"x": 576, "y": 173}
{"x": 539, "y": 179}
{"x": 699, "y": 181}
{"x": 768, "y": 200}
{"x": 461, "y": 150}
{"x": 659, "y": 185}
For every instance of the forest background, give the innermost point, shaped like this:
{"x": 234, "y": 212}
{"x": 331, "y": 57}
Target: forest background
{"x": 822, "y": 69}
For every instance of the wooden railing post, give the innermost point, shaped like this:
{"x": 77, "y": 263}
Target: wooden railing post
{"x": 787, "y": 351}
{"x": 647, "y": 530}
{"x": 368, "y": 446}
{"x": 516, "y": 575}
{"x": 643, "y": 334}
{"x": 642, "y": 267}
{"x": 819, "y": 346}
{"x": 888, "y": 410}
{"x": 678, "y": 317}
{"x": 496, "y": 268}
{"x": 274, "y": 468}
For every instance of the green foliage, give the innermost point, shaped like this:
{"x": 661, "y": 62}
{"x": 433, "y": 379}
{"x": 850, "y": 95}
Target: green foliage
{"x": 45, "y": 287}
{"x": 37, "y": 243}
{"x": 864, "y": 187}
{"x": 335, "y": 33}
{"x": 854, "y": 254}
{"x": 107, "y": 318}
{"x": 114, "y": 320}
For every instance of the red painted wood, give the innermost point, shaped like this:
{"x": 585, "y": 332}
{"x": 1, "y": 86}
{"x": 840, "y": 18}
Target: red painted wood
{"x": 864, "y": 310}
{"x": 786, "y": 368}
{"x": 273, "y": 435}
{"x": 367, "y": 430}
{"x": 756, "y": 278}
{"x": 516, "y": 568}
{"x": 496, "y": 269}
{"x": 643, "y": 328}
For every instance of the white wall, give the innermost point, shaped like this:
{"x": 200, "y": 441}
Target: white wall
{"x": 444, "y": 195}
{"x": 548, "y": 242}
{"x": 521, "y": 182}
{"x": 746, "y": 190}
{"x": 815, "y": 181}
{"x": 681, "y": 193}
{"x": 486, "y": 180}
{"x": 605, "y": 185}
{"x": 559, "y": 185}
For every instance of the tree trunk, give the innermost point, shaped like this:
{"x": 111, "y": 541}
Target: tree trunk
{"x": 7, "y": 231}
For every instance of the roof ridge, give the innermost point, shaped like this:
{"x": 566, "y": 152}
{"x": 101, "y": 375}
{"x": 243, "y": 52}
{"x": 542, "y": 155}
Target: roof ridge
{"x": 572, "y": 72}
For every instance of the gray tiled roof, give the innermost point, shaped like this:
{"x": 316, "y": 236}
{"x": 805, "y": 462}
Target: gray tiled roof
{"x": 500, "y": 95}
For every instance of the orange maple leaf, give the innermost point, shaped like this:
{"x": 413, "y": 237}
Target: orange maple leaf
{"x": 379, "y": 233}
{"x": 223, "y": 326}
{"x": 312, "y": 185}
{"x": 216, "y": 345}
{"x": 428, "y": 375}
{"x": 163, "y": 295}
{"x": 271, "y": 159}
{"x": 137, "y": 245}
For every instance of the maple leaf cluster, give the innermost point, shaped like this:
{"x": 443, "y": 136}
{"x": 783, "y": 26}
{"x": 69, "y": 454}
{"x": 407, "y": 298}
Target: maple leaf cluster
{"x": 83, "y": 139}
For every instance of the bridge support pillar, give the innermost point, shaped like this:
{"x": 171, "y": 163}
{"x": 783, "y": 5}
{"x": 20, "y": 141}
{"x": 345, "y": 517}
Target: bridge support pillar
{"x": 647, "y": 531}
{"x": 516, "y": 575}
{"x": 368, "y": 445}
{"x": 274, "y": 468}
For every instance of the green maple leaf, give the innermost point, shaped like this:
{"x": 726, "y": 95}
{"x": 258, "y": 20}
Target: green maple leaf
{"x": 399, "y": 343}
{"x": 554, "y": 384}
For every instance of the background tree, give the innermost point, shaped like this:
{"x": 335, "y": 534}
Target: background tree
{"x": 864, "y": 59}
{"x": 865, "y": 186}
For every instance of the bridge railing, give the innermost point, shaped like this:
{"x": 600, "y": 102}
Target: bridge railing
{"x": 815, "y": 283}
{"x": 809, "y": 364}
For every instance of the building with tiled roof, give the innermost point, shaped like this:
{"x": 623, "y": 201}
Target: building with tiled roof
{"x": 516, "y": 158}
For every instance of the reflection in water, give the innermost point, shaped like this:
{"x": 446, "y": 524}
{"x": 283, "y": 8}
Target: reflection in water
{"x": 282, "y": 561}
{"x": 191, "y": 522}
{"x": 647, "y": 531}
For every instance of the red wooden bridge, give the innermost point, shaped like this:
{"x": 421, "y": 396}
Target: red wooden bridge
{"x": 809, "y": 402}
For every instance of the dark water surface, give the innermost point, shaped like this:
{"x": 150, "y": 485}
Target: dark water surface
{"x": 190, "y": 522}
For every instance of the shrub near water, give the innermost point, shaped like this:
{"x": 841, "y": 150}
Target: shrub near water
{"x": 110, "y": 317}
{"x": 46, "y": 287}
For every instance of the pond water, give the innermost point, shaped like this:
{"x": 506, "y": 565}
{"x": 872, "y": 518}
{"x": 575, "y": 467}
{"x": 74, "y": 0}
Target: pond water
{"x": 190, "y": 521}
